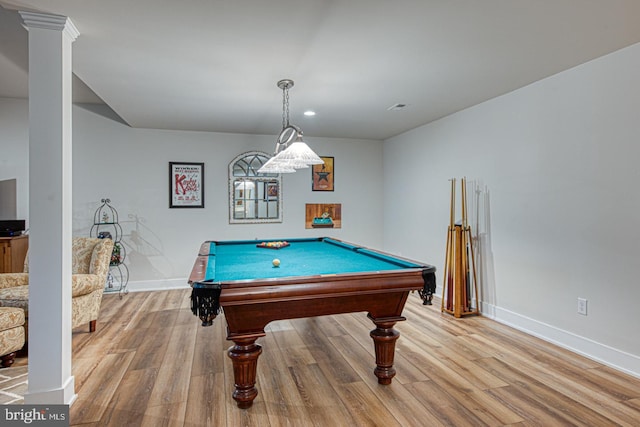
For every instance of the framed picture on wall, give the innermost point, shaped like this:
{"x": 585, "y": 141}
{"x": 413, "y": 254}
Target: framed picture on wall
{"x": 323, "y": 215}
{"x": 186, "y": 185}
{"x": 271, "y": 191}
{"x": 322, "y": 175}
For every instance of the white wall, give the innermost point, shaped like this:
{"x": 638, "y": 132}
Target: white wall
{"x": 14, "y": 152}
{"x": 557, "y": 162}
{"x": 131, "y": 167}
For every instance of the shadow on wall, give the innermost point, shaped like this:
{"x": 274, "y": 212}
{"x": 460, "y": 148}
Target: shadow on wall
{"x": 144, "y": 249}
{"x": 480, "y": 222}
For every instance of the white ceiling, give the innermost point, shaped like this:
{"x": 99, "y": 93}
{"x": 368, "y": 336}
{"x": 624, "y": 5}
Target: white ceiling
{"x": 212, "y": 65}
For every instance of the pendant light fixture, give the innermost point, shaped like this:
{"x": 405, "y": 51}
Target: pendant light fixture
{"x": 291, "y": 151}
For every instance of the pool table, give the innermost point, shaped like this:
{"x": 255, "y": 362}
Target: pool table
{"x": 315, "y": 277}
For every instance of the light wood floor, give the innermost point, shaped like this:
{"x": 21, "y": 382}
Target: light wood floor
{"x": 150, "y": 363}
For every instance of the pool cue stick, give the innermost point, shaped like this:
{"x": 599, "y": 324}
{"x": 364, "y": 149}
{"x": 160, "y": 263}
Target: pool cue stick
{"x": 475, "y": 277}
{"x": 446, "y": 288}
{"x": 476, "y": 252}
{"x": 452, "y": 256}
{"x": 447, "y": 260}
{"x": 473, "y": 268}
{"x": 453, "y": 267}
{"x": 446, "y": 269}
{"x": 465, "y": 248}
{"x": 458, "y": 277}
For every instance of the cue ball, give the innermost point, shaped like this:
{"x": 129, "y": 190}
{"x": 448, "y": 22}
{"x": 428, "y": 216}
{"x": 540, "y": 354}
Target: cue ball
{"x": 276, "y": 262}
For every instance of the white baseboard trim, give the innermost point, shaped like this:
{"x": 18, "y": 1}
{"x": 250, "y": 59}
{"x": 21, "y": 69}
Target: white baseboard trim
{"x": 615, "y": 358}
{"x": 65, "y": 395}
{"x": 157, "y": 285}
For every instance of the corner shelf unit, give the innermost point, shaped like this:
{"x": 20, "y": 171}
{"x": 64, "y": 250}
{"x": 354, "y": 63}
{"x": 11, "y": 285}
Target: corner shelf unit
{"x": 106, "y": 225}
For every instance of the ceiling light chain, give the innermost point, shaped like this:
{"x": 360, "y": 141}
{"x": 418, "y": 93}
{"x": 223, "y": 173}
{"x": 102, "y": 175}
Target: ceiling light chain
{"x": 285, "y": 105}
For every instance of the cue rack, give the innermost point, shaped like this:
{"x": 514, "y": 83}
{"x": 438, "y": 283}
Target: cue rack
{"x": 460, "y": 279}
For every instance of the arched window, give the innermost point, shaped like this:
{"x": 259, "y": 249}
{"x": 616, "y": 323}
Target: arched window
{"x": 253, "y": 197}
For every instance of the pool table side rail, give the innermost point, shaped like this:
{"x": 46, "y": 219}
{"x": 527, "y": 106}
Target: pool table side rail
{"x": 275, "y": 289}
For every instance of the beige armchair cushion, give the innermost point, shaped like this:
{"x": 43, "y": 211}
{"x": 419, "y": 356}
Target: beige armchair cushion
{"x": 12, "y": 334}
{"x": 10, "y": 318}
{"x": 101, "y": 258}
{"x": 17, "y": 297}
{"x": 11, "y": 280}
{"x": 82, "y": 284}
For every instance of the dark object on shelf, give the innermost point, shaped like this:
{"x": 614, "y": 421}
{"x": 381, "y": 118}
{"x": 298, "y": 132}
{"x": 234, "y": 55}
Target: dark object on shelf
{"x": 116, "y": 258}
{"x": 13, "y": 227}
{"x": 104, "y": 235}
{"x": 106, "y": 226}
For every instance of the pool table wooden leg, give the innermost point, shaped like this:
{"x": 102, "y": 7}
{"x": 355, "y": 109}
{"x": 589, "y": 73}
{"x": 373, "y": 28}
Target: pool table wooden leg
{"x": 384, "y": 340}
{"x": 244, "y": 356}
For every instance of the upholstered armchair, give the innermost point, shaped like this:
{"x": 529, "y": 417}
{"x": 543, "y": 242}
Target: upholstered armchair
{"x": 90, "y": 267}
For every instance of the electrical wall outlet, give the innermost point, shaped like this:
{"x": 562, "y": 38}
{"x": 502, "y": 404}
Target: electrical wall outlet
{"x": 582, "y": 306}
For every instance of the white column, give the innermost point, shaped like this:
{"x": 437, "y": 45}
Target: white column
{"x": 50, "y": 377}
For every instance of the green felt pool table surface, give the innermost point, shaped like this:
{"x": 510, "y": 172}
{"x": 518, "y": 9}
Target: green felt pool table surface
{"x": 243, "y": 260}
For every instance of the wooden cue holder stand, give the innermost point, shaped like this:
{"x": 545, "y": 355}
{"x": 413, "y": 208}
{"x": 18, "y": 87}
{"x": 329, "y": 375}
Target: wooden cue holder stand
{"x": 460, "y": 279}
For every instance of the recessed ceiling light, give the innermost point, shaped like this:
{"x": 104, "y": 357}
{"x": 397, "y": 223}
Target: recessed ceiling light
{"x": 309, "y": 113}
{"x": 397, "y": 107}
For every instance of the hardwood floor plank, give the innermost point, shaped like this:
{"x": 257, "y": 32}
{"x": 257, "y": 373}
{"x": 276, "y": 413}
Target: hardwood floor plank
{"x": 294, "y": 348}
{"x": 473, "y": 373}
{"x": 128, "y": 404}
{"x": 254, "y": 416}
{"x": 608, "y": 381}
{"x": 210, "y": 349}
{"x": 206, "y": 405}
{"x": 502, "y": 336}
{"x": 312, "y": 330}
{"x": 633, "y": 403}
{"x": 82, "y": 368}
{"x": 175, "y": 371}
{"x": 137, "y": 306}
{"x": 151, "y": 351}
{"x": 562, "y": 407}
{"x": 365, "y": 408}
{"x": 443, "y": 407}
{"x": 98, "y": 390}
{"x": 456, "y": 355}
{"x": 126, "y": 311}
{"x": 318, "y": 395}
{"x": 533, "y": 410}
{"x": 283, "y": 402}
{"x": 166, "y": 415}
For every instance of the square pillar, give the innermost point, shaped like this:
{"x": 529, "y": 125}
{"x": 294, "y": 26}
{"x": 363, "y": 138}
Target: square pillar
{"x": 50, "y": 208}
